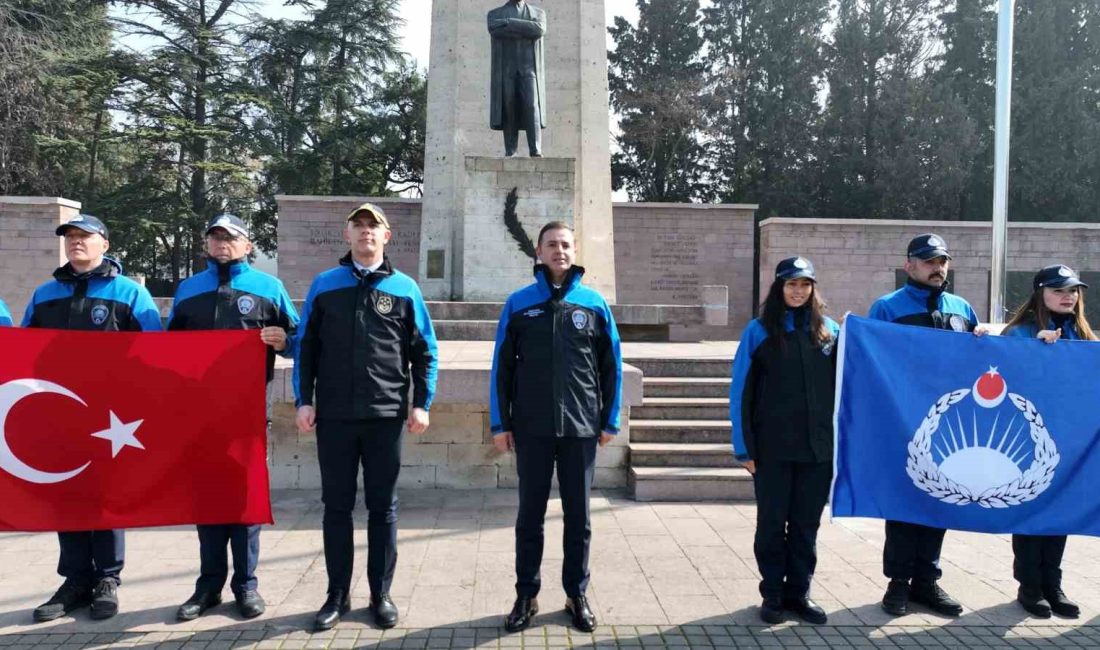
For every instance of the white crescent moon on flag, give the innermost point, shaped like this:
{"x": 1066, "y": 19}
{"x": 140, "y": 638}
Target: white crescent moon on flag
{"x": 11, "y": 394}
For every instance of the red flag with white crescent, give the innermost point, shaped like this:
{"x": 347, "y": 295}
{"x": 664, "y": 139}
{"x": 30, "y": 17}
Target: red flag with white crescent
{"x": 124, "y": 429}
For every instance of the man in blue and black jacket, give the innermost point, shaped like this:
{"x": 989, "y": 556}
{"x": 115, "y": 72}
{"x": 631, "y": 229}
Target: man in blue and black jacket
{"x": 911, "y": 555}
{"x": 555, "y": 393}
{"x": 231, "y": 295}
{"x": 89, "y": 293}
{"x": 365, "y": 336}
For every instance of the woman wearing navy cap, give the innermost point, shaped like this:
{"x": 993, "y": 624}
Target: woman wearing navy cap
{"x": 781, "y": 409}
{"x": 1057, "y": 303}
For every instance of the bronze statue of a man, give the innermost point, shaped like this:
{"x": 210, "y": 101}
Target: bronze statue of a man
{"x": 517, "y": 93}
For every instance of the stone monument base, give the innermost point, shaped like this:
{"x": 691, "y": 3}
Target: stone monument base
{"x": 505, "y": 203}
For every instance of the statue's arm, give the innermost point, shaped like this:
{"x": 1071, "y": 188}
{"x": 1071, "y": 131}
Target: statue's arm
{"x": 529, "y": 29}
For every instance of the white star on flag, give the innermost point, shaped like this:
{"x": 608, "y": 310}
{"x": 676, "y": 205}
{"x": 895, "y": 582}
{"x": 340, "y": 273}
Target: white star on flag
{"x": 121, "y": 435}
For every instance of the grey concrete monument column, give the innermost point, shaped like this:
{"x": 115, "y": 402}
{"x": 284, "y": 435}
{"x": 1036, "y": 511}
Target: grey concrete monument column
{"x": 458, "y": 128}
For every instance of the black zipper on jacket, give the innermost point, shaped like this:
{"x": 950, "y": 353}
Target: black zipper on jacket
{"x": 76, "y": 307}
{"x": 555, "y": 363}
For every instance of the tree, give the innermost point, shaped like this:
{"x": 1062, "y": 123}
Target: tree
{"x": 658, "y": 87}
{"x": 766, "y": 68}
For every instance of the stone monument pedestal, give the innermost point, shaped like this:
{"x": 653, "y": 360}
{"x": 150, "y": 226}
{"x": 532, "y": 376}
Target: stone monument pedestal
{"x": 505, "y": 202}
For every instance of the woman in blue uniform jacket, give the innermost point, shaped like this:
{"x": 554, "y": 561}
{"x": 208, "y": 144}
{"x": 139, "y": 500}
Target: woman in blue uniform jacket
{"x": 1056, "y": 310}
{"x": 781, "y": 409}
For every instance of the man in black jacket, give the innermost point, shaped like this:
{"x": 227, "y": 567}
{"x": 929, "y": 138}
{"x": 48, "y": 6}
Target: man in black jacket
{"x": 231, "y": 295}
{"x": 364, "y": 324}
{"x": 89, "y": 293}
{"x": 555, "y": 392}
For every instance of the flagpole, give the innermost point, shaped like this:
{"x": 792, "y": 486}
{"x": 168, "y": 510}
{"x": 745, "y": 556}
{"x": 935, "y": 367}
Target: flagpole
{"x": 1003, "y": 123}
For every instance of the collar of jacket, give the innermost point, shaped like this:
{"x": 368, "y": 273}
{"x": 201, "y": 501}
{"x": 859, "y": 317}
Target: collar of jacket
{"x": 923, "y": 291}
{"x": 789, "y": 318}
{"x": 572, "y": 279}
{"x": 383, "y": 271}
{"x": 109, "y": 268}
{"x": 226, "y": 270}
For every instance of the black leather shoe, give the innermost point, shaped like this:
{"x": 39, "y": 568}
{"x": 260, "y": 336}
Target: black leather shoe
{"x": 807, "y": 610}
{"x": 1061, "y": 605}
{"x": 336, "y": 605}
{"x": 932, "y": 596}
{"x": 105, "y": 599}
{"x": 1031, "y": 599}
{"x": 73, "y": 594}
{"x": 199, "y": 602}
{"x": 771, "y": 611}
{"x": 385, "y": 612}
{"x": 896, "y": 600}
{"x": 523, "y": 612}
{"x": 583, "y": 618}
{"x": 250, "y": 603}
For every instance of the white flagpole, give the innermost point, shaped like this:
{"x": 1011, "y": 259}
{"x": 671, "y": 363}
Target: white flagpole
{"x": 1000, "y": 161}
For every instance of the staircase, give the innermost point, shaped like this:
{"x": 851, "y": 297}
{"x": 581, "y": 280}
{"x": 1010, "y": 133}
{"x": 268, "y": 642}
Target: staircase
{"x": 680, "y": 435}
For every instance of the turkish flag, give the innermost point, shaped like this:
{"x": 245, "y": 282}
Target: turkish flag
{"x": 117, "y": 429}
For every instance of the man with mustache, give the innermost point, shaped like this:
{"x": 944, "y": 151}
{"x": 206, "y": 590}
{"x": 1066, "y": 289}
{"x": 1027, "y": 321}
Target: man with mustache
{"x": 911, "y": 555}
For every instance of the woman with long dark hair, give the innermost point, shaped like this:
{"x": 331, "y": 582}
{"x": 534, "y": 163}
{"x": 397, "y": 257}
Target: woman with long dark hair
{"x": 1055, "y": 310}
{"x": 781, "y": 409}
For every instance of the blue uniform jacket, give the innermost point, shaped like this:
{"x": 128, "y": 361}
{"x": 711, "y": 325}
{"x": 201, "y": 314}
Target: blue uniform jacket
{"x": 101, "y": 300}
{"x": 914, "y": 304}
{"x": 1030, "y": 331}
{"x": 359, "y": 336}
{"x": 5, "y": 315}
{"x": 557, "y": 365}
{"x": 746, "y": 398}
{"x": 235, "y": 296}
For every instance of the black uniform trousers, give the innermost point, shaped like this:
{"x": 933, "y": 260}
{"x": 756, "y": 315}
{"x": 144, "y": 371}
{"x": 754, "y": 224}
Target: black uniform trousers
{"x": 912, "y": 551}
{"x": 790, "y": 497}
{"x": 343, "y": 446}
{"x": 521, "y": 111}
{"x": 89, "y": 556}
{"x": 244, "y": 541}
{"x": 576, "y": 463}
{"x": 1037, "y": 560}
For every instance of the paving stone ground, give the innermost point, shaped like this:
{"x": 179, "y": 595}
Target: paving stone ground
{"x": 663, "y": 575}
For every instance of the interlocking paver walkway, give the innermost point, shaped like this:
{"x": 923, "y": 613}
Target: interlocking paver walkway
{"x": 663, "y": 575}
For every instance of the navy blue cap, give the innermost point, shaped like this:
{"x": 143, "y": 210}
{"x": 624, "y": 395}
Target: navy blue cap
{"x": 794, "y": 268}
{"x": 1057, "y": 276}
{"x": 228, "y": 222}
{"x": 927, "y": 247}
{"x": 85, "y": 222}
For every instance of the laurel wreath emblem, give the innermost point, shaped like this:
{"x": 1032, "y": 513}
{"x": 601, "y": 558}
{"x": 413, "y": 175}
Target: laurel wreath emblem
{"x": 926, "y": 474}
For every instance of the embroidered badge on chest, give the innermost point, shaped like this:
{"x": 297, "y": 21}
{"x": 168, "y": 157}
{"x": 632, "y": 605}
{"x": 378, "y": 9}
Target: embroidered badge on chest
{"x": 245, "y": 304}
{"x": 580, "y": 319}
{"x": 99, "y": 314}
{"x": 958, "y": 323}
{"x": 384, "y": 304}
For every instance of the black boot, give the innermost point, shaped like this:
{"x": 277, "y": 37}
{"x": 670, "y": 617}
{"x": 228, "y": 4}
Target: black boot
{"x": 771, "y": 611}
{"x": 73, "y": 594}
{"x": 250, "y": 603}
{"x": 806, "y": 609}
{"x": 523, "y": 612}
{"x": 199, "y": 602}
{"x": 1031, "y": 598}
{"x": 105, "y": 599}
{"x": 1059, "y": 604}
{"x": 385, "y": 612}
{"x": 896, "y": 599}
{"x": 336, "y": 605}
{"x": 931, "y": 595}
{"x": 583, "y": 618}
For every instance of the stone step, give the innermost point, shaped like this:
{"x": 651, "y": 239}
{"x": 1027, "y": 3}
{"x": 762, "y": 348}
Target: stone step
{"x": 683, "y": 431}
{"x": 679, "y": 454}
{"x": 691, "y": 484}
{"x": 686, "y": 386}
{"x": 682, "y": 408}
{"x": 706, "y": 367}
{"x": 465, "y": 330}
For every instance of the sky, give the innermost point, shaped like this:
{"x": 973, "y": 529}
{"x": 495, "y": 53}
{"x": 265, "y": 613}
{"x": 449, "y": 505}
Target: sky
{"x": 416, "y": 33}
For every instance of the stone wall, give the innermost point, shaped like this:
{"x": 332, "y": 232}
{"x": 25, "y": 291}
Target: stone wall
{"x": 311, "y": 235}
{"x": 29, "y": 249}
{"x": 665, "y": 253}
{"x": 857, "y": 259}
{"x": 456, "y": 452}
